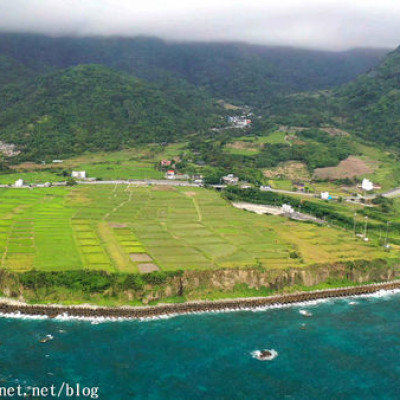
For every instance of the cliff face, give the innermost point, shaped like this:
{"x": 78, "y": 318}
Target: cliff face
{"x": 197, "y": 283}
{"x": 190, "y": 285}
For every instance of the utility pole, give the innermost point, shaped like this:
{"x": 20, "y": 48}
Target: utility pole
{"x": 354, "y": 220}
{"x": 366, "y": 227}
{"x": 387, "y": 234}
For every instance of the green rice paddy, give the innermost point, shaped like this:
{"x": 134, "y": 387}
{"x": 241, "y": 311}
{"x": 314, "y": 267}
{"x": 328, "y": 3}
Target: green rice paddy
{"x": 118, "y": 228}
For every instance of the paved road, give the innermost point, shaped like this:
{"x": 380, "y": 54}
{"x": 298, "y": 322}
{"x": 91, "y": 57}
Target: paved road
{"x": 392, "y": 193}
{"x": 142, "y": 183}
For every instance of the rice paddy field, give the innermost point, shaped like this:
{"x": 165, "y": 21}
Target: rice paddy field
{"x": 143, "y": 229}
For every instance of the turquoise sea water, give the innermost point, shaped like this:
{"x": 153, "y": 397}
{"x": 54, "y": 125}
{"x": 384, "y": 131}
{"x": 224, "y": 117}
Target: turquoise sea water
{"x": 347, "y": 351}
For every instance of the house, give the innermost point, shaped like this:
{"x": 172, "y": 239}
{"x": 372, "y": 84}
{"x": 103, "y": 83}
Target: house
{"x": 183, "y": 177}
{"x": 239, "y": 121}
{"x": 199, "y": 179}
{"x": 287, "y": 209}
{"x": 230, "y": 179}
{"x": 299, "y": 186}
{"x": 19, "y": 183}
{"x": 367, "y": 185}
{"x": 165, "y": 163}
{"x": 170, "y": 174}
{"x": 245, "y": 185}
{"x": 325, "y": 196}
{"x": 78, "y": 174}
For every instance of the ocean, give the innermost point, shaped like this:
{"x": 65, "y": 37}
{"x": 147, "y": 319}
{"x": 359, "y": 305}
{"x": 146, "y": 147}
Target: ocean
{"x": 347, "y": 349}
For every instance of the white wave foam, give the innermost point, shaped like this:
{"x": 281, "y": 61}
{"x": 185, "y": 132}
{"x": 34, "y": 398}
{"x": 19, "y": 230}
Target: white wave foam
{"x": 18, "y": 315}
{"x": 381, "y": 294}
{"x": 264, "y": 355}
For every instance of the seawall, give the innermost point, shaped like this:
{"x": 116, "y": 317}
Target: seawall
{"x": 7, "y": 306}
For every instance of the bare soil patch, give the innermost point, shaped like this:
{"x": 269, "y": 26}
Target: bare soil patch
{"x": 190, "y": 194}
{"x": 349, "y": 168}
{"x": 115, "y": 225}
{"x": 242, "y": 145}
{"x": 164, "y": 188}
{"x": 335, "y": 132}
{"x": 228, "y": 106}
{"x": 146, "y": 268}
{"x": 140, "y": 257}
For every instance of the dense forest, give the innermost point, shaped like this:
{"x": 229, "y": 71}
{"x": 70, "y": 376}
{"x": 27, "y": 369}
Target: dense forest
{"x": 371, "y": 104}
{"x": 91, "y": 107}
{"x": 63, "y": 96}
{"x": 233, "y": 71}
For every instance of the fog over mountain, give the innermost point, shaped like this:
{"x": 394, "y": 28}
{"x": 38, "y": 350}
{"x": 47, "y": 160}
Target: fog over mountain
{"x": 329, "y": 25}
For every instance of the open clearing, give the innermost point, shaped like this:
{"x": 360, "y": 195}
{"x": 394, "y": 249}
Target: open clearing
{"x": 132, "y": 229}
{"x": 349, "y": 168}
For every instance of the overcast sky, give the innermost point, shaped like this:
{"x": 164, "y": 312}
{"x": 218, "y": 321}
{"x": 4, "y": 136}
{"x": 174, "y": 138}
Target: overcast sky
{"x": 323, "y": 24}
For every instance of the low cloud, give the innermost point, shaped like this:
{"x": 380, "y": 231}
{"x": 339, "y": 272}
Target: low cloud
{"x": 333, "y": 25}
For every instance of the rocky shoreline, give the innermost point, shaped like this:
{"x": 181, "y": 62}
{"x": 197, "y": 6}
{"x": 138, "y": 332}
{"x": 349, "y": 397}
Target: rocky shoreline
{"x": 9, "y": 306}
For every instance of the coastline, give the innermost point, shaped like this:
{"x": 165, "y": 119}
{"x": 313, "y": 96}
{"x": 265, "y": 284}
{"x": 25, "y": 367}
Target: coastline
{"x": 87, "y": 311}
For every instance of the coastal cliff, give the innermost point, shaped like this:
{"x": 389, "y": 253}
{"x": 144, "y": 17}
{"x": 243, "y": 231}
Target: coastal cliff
{"x": 98, "y": 287}
{"x": 257, "y": 281}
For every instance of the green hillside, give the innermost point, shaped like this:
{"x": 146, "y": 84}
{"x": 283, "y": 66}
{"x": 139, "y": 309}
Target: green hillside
{"x": 371, "y": 103}
{"x": 92, "y": 107}
{"x": 234, "y": 71}
{"x": 368, "y": 107}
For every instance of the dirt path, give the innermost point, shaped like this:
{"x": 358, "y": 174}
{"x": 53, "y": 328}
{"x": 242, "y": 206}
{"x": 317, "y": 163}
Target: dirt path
{"x": 122, "y": 204}
{"x": 113, "y": 249}
{"x": 192, "y": 196}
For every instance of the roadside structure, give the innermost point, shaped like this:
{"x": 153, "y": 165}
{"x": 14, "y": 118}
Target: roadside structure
{"x": 78, "y": 174}
{"x": 230, "y": 179}
{"x": 367, "y": 185}
{"x": 170, "y": 174}
{"x": 325, "y": 196}
{"x": 19, "y": 183}
{"x": 287, "y": 209}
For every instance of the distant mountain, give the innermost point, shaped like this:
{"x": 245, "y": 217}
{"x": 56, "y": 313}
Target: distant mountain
{"x": 233, "y": 71}
{"x": 371, "y": 104}
{"x": 91, "y": 107}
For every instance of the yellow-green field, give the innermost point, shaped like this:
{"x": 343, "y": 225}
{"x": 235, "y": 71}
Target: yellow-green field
{"x": 130, "y": 229}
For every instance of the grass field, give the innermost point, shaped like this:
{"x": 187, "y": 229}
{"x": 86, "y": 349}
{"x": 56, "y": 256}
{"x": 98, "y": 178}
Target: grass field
{"x": 136, "y": 163}
{"x": 126, "y": 228}
{"x": 31, "y": 177}
{"x": 250, "y": 145}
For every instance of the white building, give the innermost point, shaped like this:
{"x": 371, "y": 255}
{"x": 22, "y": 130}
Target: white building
{"x": 367, "y": 185}
{"x": 325, "y": 196}
{"x": 230, "y": 179}
{"x": 287, "y": 209}
{"x": 171, "y": 174}
{"x": 78, "y": 174}
{"x": 19, "y": 183}
{"x": 239, "y": 121}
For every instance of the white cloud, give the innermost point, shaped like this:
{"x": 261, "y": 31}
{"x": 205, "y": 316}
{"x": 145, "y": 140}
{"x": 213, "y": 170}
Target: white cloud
{"x": 338, "y": 24}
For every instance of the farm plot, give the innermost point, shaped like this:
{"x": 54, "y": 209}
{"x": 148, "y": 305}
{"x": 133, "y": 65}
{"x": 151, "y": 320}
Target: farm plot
{"x": 142, "y": 229}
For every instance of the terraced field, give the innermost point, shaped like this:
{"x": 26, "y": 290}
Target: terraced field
{"x": 132, "y": 229}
